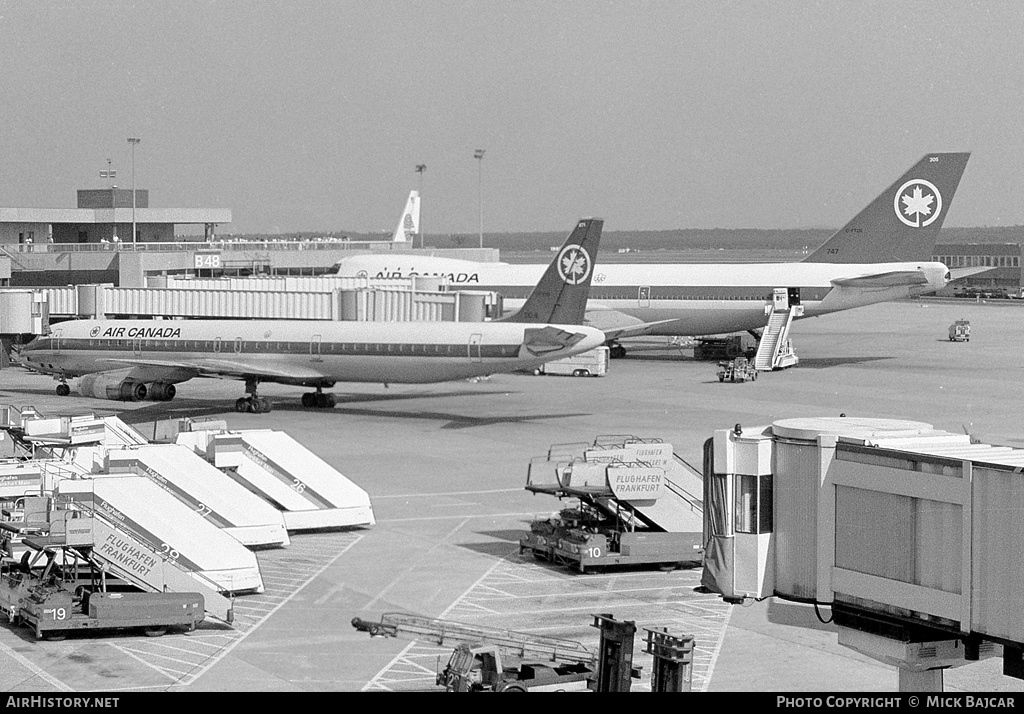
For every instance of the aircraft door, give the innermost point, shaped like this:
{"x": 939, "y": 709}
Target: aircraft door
{"x": 137, "y": 346}
{"x": 780, "y": 299}
{"x": 643, "y": 296}
{"x": 794, "y": 296}
{"x": 216, "y": 345}
{"x": 314, "y": 349}
{"x": 238, "y": 345}
{"x": 55, "y": 335}
{"x": 474, "y": 347}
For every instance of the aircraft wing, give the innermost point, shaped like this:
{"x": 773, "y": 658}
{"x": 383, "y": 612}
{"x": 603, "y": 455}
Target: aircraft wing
{"x": 180, "y": 370}
{"x": 884, "y": 280}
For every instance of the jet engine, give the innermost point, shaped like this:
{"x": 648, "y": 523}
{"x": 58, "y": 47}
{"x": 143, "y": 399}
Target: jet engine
{"x": 162, "y": 391}
{"x": 105, "y": 386}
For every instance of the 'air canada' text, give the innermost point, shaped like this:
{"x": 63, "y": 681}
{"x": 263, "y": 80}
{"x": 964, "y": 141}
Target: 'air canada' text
{"x": 142, "y": 332}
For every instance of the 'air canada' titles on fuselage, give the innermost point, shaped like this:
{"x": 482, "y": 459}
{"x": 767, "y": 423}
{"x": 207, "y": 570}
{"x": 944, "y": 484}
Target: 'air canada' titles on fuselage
{"x": 464, "y": 278}
{"x": 142, "y": 332}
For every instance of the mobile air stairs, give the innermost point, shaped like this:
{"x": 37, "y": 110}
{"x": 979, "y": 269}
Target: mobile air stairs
{"x": 775, "y": 349}
{"x": 637, "y": 505}
{"x": 65, "y": 529}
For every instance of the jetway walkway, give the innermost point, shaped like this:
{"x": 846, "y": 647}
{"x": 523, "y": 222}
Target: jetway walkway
{"x": 310, "y": 492}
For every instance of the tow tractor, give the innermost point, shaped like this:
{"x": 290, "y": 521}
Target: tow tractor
{"x": 495, "y": 660}
{"x": 737, "y": 370}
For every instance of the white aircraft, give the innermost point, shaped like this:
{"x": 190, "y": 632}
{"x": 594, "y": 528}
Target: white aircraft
{"x": 136, "y": 359}
{"x": 409, "y": 224}
{"x": 883, "y": 254}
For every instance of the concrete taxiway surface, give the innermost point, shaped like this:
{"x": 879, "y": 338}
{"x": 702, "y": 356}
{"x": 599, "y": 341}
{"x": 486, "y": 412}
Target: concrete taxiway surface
{"x": 445, "y": 467}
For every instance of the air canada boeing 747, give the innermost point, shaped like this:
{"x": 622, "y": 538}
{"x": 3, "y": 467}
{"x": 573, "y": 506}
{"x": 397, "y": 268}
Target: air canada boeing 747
{"x": 883, "y": 253}
{"x": 139, "y": 359}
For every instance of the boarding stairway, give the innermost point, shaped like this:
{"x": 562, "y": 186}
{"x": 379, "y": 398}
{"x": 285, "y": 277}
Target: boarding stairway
{"x": 579, "y": 470}
{"x": 775, "y": 350}
{"x": 121, "y": 553}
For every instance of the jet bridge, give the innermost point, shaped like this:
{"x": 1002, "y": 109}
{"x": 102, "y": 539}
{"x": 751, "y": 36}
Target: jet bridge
{"x": 139, "y": 508}
{"x": 205, "y": 489}
{"x": 912, "y": 536}
{"x": 309, "y": 491}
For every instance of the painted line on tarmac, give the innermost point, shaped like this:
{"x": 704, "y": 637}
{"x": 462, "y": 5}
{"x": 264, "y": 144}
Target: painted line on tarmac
{"x": 35, "y": 670}
{"x": 447, "y": 493}
{"x": 442, "y": 541}
{"x": 718, "y": 648}
{"x": 531, "y": 514}
{"x": 215, "y": 658}
{"x": 401, "y": 656}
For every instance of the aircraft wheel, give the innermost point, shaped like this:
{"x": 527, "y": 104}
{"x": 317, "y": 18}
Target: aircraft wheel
{"x": 155, "y": 631}
{"x": 308, "y": 399}
{"x": 242, "y": 404}
{"x": 329, "y": 401}
{"x": 261, "y": 405}
{"x": 63, "y": 390}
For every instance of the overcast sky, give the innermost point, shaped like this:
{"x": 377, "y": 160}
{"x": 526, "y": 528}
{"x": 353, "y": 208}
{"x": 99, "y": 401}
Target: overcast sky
{"x": 310, "y": 116}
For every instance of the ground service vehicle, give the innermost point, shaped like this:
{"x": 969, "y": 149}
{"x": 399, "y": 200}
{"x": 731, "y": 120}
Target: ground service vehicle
{"x": 593, "y": 363}
{"x": 960, "y": 331}
{"x": 52, "y": 611}
{"x": 59, "y": 599}
{"x": 494, "y": 660}
{"x": 737, "y": 370}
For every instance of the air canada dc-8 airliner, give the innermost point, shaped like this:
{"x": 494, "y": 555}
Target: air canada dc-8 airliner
{"x": 883, "y": 253}
{"x": 139, "y": 359}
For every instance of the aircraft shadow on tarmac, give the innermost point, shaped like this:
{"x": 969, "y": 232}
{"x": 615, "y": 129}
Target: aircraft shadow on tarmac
{"x": 826, "y": 362}
{"x": 194, "y": 408}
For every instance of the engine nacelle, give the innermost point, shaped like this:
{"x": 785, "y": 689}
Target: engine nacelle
{"x": 162, "y": 391}
{"x": 115, "y": 387}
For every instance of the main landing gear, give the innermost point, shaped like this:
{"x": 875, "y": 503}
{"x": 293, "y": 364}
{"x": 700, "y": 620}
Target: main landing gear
{"x": 63, "y": 389}
{"x": 318, "y": 399}
{"x": 254, "y": 403}
{"x": 616, "y": 350}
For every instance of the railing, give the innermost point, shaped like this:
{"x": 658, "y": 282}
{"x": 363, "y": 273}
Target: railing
{"x": 202, "y": 245}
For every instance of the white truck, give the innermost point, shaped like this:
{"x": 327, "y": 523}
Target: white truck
{"x": 593, "y": 363}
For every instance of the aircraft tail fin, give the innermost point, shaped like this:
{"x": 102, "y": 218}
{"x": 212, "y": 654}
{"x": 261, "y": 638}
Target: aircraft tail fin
{"x": 409, "y": 223}
{"x": 561, "y": 295}
{"x": 903, "y": 223}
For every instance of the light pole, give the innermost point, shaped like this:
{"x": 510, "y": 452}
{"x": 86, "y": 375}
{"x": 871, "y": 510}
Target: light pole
{"x": 133, "y": 142}
{"x": 420, "y": 168}
{"x": 479, "y": 156}
{"x": 110, "y": 174}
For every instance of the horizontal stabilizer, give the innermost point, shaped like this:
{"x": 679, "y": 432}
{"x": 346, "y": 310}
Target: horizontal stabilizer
{"x": 884, "y": 280}
{"x": 957, "y": 273}
{"x": 643, "y": 328}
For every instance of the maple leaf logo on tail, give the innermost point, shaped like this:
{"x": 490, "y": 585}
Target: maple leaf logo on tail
{"x": 574, "y": 264}
{"x": 915, "y": 207}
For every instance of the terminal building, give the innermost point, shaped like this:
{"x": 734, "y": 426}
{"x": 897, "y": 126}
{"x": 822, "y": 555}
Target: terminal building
{"x": 1005, "y": 278}
{"x": 104, "y": 215}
